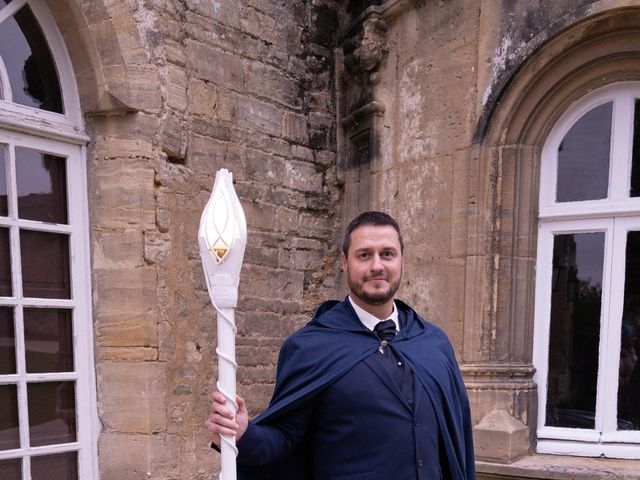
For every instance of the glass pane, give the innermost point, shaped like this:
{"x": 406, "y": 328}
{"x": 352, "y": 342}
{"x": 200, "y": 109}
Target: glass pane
{"x": 48, "y": 340}
{"x": 52, "y": 413}
{"x": 63, "y": 466}
{"x": 11, "y": 469}
{"x": 45, "y": 264}
{"x": 5, "y": 264}
{"x": 583, "y": 157}
{"x": 3, "y": 181}
{"x": 32, "y": 72}
{"x": 9, "y": 433}
{"x": 7, "y": 342}
{"x": 42, "y": 186}
{"x": 629, "y": 373}
{"x": 574, "y": 330}
{"x": 635, "y": 161}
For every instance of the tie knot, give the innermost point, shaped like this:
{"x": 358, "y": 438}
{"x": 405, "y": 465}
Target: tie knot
{"x": 385, "y": 330}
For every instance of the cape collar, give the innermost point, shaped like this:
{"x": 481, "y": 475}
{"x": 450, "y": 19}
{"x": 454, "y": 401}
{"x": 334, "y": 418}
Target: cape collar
{"x": 341, "y": 316}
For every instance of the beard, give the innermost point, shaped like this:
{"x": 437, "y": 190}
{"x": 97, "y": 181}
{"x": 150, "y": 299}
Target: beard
{"x": 373, "y": 297}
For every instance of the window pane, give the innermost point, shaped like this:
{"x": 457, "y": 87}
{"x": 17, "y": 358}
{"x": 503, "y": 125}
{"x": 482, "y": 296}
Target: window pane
{"x": 5, "y": 264}
{"x": 63, "y": 466}
{"x": 575, "y": 330}
{"x": 11, "y": 469}
{"x": 45, "y": 264}
{"x": 629, "y": 373}
{"x": 48, "y": 340}
{"x": 9, "y": 433}
{"x": 52, "y": 413}
{"x": 3, "y": 181}
{"x": 583, "y": 157}
{"x": 42, "y": 186}
{"x": 7, "y": 342}
{"x": 32, "y": 73}
{"x": 635, "y": 162}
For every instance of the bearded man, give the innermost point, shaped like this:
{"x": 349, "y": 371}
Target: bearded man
{"x": 366, "y": 390}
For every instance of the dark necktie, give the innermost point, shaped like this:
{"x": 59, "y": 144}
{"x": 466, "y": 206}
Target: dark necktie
{"x": 385, "y": 331}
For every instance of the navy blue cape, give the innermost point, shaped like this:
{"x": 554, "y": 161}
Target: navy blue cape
{"x": 331, "y": 344}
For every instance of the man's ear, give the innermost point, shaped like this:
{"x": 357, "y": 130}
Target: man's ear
{"x": 343, "y": 257}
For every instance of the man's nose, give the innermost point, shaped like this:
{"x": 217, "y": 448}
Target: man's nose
{"x": 376, "y": 262}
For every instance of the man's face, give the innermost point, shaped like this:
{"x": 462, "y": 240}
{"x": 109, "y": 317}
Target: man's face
{"x": 373, "y": 264}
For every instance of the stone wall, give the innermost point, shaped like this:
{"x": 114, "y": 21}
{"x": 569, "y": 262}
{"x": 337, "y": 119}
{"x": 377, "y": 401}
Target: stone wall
{"x": 173, "y": 91}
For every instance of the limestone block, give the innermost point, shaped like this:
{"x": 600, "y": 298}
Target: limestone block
{"x": 266, "y": 81}
{"x": 259, "y": 25}
{"x": 124, "y": 194}
{"x": 124, "y": 307}
{"x": 131, "y": 396}
{"x": 217, "y": 66}
{"x": 157, "y": 247}
{"x": 202, "y": 98}
{"x": 176, "y": 88}
{"x": 117, "y": 249}
{"x": 124, "y": 456}
{"x": 165, "y": 456}
{"x": 294, "y": 128}
{"x": 302, "y": 176}
{"x": 136, "y": 85}
{"x": 259, "y": 115}
{"x": 500, "y": 438}
{"x": 134, "y": 354}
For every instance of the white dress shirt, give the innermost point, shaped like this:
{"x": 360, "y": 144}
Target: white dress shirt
{"x": 370, "y": 321}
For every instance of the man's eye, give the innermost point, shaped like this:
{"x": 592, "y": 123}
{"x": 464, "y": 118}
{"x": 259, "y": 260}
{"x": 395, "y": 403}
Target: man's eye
{"x": 363, "y": 255}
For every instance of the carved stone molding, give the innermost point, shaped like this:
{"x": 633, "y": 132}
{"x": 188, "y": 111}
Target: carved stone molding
{"x": 480, "y": 376}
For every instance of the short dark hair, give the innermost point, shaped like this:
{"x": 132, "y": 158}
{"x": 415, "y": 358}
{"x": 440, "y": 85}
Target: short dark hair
{"x": 370, "y": 218}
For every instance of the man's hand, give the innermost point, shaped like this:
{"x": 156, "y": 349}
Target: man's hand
{"x": 221, "y": 422}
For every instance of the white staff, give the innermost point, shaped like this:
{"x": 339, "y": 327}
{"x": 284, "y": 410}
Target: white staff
{"x": 222, "y": 238}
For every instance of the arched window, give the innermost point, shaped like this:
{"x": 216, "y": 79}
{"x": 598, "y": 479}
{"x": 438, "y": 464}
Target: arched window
{"x": 47, "y": 388}
{"x": 587, "y": 315}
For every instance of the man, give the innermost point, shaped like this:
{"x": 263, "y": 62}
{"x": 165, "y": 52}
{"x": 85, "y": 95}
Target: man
{"x": 367, "y": 390}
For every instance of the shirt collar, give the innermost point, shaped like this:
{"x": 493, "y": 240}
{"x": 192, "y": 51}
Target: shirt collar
{"x": 370, "y": 321}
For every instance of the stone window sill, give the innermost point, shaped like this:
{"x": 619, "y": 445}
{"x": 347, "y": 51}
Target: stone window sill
{"x": 558, "y": 467}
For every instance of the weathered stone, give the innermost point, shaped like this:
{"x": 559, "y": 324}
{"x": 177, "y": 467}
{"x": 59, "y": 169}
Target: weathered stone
{"x": 500, "y": 438}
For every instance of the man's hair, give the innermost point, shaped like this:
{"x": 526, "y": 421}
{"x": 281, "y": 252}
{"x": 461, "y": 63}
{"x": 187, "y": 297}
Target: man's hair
{"x": 380, "y": 219}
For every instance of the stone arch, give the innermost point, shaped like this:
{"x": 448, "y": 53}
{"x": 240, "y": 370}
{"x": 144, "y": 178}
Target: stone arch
{"x": 107, "y": 54}
{"x": 599, "y": 47}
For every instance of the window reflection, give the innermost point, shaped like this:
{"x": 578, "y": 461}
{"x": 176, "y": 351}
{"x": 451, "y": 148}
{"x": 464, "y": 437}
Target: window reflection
{"x": 45, "y": 270}
{"x": 63, "y": 466}
{"x": 9, "y": 433}
{"x": 4, "y": 207}
{"x": 26, "y": 55}
{"x": 42, "y": 186}
{"x": 11, "y": 469}
{"x": 575, "y": 330}
{"x": 635, "y": 154}
{"x": 48, "y": 340}
{"x": 5, "y": 264}
{"x": 52, "y": 413}
{"x": 629, "y": 372}
{"x": 583, "y": 157}
{"x": 7, "y": 342}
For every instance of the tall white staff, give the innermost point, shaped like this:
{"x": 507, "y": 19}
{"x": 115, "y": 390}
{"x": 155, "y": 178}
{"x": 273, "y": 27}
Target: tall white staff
{"x": 222, "y": 238}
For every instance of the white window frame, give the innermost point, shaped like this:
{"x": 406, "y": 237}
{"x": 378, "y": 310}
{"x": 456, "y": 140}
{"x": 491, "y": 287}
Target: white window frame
{"x": 61, "y": 135}
{"x": 615, "y": 216}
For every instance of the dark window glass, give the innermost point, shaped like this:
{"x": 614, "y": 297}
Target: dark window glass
{"x": 5, "y": 264}
{"x": 42, "y": 186}
{"x": 32, "y": 72}
{"x": 7, "y": 342}
{"x": 635, "y": 159}
{"x": 63, "y": 466}
{"x": 52, "y": 413}
{"x": 45, "y": 264}
{"x": 574, "y": 330}
{"x": 583, "y": 157}
{"x": 11, "y": 469}
{"x": 629, "y": 373}
{"x": 9, "y": 433}
{"x": 4, "y": 208}
{"x": 48, "y": 340}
